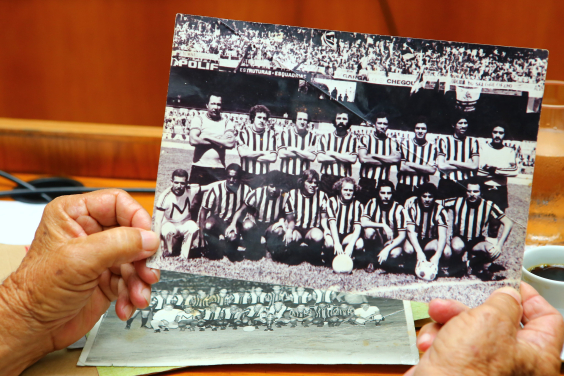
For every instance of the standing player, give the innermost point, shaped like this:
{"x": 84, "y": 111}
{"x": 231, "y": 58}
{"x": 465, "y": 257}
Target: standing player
{"x": 418, "y": 162}
{"x": 472, "y": 214}
{"x": 384, "y": 227}
{"x": 264, "y": 206}
{"x": 343, "y": 213}
{"x": 458, "y": 158}
{"x": 172, "y": 215}
{"x": 210, "y": 135}
{"x": 427, "y": 226}
{"x": 306, "y": 216}
{"x": 297, "y": 149}
{"x": 220, "y": 204}
{"x": 257, "y": 147}
{"x": 497, "y": 163}
{"x": 376, "y": 153}
{"x": 337, "y": 153}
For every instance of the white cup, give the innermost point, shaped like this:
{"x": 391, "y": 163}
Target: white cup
{"x": 552, "y": 291}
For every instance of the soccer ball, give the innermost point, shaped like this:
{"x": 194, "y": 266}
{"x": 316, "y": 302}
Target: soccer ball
{"x": 342, "y": 264}
{"x": 426, "y": 270}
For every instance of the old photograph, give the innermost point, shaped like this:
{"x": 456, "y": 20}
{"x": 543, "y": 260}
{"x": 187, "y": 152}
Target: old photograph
{"x": 238, "y": 322}
{"x": 394, "y": 167}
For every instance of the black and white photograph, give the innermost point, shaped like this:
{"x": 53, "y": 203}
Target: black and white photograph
{"x": 386, "y": 166}
{"x": 239, "y": 322}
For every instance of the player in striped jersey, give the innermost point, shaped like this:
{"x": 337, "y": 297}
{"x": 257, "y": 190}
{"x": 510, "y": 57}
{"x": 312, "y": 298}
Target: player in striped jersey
{"x": 300, "y": 237}
{"x": 427, "y": 226}
{"x": 457, "y": 159}
{"x": 343, "y": 213}
{"x": 257, "y": 147}
{"x": 221, "y": 202}
{"x": 376, "y": 153}
{"x": 472, "y": 215}
{"x": 337, "y": 153}
{"x": 418, "y": 162}
{"x": 298, "y": 148}
{"x": 173, "y": 219}
{"x": 384, "y": 227}
{"x": 263, "y": 207}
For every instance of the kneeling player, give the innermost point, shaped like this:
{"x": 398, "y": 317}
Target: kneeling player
{"x": 219, "y": 205}
{"x": 384, "y": 228}
{"x": 172, "y": 215}
{"x": 263, "y": 207}
{"x": 472, "y": 215}
{"x": 427, "y": 225}
{"x": 344, "y": 212}
{"x": 166, "y": 318}
{"x": 300, "y": 237}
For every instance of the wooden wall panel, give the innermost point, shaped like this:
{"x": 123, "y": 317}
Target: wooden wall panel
{"x": 107, "y": 61}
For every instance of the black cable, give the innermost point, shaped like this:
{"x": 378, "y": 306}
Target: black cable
{"x": 24, "y": 184}
{"x": 69, "y": 190}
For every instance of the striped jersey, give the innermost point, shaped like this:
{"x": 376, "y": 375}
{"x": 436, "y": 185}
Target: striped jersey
{"x": 297, "y": 165}
{"x": 376, "y": 145}
{"x": 425, "y": 155}
{"x": 471, "y": 219}
{"x": 343, "y": 145}
{"x": 391, "y": 215}
{"x": 324, "y": 296}
{"x": 267, "y": 209}
{"x": 426, "y": 220}
{"x": 307, "y": 210}
{"x": 338, "y": 311}
{"x": 346, "y": 214}
{"x": 264, "y": 141}
{"x": 301, "y": 314}
{"x": 199, "y": 302}
{"x": 175, "y": 208}
{"x": 223, "y": 202}
{"x": 323, "y": 312}
{"x": 454, "y": 149}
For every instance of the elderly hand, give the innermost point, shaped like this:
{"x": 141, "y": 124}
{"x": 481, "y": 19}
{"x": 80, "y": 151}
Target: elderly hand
{"x": 88, "y": 251}
{"x": 488, "y": 340}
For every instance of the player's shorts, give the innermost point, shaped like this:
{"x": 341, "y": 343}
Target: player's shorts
{"x": 252, "y": 180}
{"x": 179, "y": 228}
{"x": 497, "y": 194}
{"x": 206, "y": 175}
{"x": 403, "y": 192}
{"x": 449, "y": 188}
{"x": 326, "y": 183}
{"x": 367, "y": 190}
{"x": 290, "y": 181}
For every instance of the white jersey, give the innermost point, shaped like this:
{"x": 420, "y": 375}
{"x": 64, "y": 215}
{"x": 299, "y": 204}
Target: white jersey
{"x": 176, "y": 208}
{"x": 366, "y": 313}
{"x": 169, "y": 316}
{"x": 502, "y": 159}
{"x": 211, "y": 155}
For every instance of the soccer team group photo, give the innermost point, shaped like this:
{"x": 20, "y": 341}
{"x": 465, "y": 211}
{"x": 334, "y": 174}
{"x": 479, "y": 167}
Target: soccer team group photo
{"x": 319, "y": 181}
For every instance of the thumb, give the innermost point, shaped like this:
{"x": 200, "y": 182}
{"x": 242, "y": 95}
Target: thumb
{"x": 91, "y": 255}
{"x": 506, "y": 301}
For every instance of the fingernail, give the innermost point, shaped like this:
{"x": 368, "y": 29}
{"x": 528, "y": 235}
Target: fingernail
{"x": 150, "y": 240}
{"x": 147, "y": 294}
{"x": 128, "y": 310}
{"x": 423, "y": 338}
{"x": 157, "y": 273}
{"x": 510, "y": 291}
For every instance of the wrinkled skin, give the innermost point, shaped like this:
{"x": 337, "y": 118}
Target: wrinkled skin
{"x": 88, "y": 251}
{"x": 488, "y": 340}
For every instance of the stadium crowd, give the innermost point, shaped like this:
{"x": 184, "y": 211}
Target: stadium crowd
{"x": 308, "y": 50}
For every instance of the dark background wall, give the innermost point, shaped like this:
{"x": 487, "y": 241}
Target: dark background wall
{"x": 107, "y": 61}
